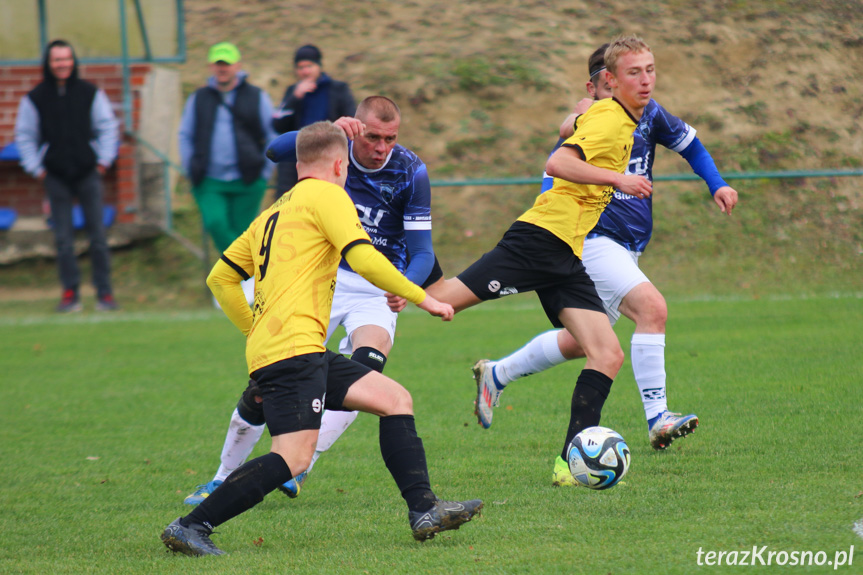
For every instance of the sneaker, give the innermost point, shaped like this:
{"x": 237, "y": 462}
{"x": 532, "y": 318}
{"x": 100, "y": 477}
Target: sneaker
{"x": 106, "y": 303}
{"x": 669, "y": 426}
{"x": 193, "y": 540}
{"x": 445, "y": 515}
{"x": 487, "y": 392}
{"x": 292, "y": 488}
{"x": 69, "y": 302}
{"x": 562, "y": 476}
{"x": 202, "y": 492}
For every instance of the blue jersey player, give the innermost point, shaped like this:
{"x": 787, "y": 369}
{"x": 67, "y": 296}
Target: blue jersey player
{"x": 389, "y": 186}
{"x": 611, "y": 252}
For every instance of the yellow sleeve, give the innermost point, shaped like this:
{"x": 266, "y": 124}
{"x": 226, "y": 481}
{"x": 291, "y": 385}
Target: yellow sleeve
{"x": 372, "y": 265}
{"x": 235, "y": 265}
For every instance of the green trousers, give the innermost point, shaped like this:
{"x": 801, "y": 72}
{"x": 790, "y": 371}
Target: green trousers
{"x": 228, "y": 207}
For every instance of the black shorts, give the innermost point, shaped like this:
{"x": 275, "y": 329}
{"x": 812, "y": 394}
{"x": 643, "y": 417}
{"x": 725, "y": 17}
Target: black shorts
{"x": 530, "y": 258}
{"x": 297, "y": 390}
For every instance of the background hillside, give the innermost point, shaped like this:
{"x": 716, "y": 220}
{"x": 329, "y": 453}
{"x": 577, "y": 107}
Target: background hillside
{"x": 484, "y": 85}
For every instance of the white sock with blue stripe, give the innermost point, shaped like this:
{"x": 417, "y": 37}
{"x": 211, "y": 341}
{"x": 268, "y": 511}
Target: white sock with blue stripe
{"x": 648, "y": 366}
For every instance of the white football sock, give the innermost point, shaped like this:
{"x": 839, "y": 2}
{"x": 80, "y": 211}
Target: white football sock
{"x": 540, "y": 353}
{"x": 333, "y": 424}
{"x": 648, "y": 366}
{"x": 239, "y": 443}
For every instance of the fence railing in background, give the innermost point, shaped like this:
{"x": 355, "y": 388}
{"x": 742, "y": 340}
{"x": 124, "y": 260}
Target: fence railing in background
{"x": 536, "y": 181}
{"x": 202, "y": 252}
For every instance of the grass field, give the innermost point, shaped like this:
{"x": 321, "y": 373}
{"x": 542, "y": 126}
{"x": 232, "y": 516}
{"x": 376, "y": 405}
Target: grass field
{"x": 110, "y": 420}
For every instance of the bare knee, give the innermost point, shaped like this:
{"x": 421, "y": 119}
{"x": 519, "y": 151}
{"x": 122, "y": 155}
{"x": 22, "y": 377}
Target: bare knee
{"x": 647, "y": 308}
{"x": 655, "y": 314}
{"x": 401, "y": 402}
{"x": 608, "y": 359}
{"x": 296, "y": 450}
{"x": 616, "y": 358}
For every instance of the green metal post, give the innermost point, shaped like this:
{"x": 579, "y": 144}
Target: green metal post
{"x": 181, "y": 32}
{"x": 166, "y": 182}
{"x": 127, "y": 89}
{"x": 43, "y": 26}
{"x": 142, "y": 26}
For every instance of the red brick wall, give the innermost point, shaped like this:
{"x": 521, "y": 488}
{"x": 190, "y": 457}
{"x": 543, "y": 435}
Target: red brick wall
{"x": 21, "y": 192}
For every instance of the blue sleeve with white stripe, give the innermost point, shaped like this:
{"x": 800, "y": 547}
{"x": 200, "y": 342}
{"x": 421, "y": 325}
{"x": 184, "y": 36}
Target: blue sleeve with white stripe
{"x": 417, "y": 221}
{"x": 419, "y": 243}
{"x": 666, "y": 129}
{"x": 702, "y": 164}
{"x": 417, "y": 209}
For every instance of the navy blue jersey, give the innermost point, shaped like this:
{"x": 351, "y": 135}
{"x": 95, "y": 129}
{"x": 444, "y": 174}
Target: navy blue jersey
{"x": 390, "y": 201}
{"x": 629, "y": 220}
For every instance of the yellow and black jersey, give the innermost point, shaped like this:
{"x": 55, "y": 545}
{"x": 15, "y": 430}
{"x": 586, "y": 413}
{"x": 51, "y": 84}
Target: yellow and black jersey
{"x": 603, "y": 138}
{"x": 293, "y": 250}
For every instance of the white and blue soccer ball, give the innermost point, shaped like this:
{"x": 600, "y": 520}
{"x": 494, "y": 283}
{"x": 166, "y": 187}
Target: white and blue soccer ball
{"x": 598, "y": 458}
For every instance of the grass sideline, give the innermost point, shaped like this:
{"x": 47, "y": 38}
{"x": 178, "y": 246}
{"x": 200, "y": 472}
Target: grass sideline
{"x": 110, "y": 420}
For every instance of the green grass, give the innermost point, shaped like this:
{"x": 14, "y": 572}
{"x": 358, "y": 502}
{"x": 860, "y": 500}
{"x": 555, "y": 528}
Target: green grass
{"x": 110, "y": 420}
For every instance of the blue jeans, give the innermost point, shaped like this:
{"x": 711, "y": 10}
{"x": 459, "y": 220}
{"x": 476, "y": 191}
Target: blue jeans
{"x": 88, "y": 192}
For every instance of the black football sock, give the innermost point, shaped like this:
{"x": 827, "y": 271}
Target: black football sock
{"x": 591, "y": 391}
{"x": 371, "y": 358}
{"x": 242, "y": 490}
{"x": 405, "y": 458}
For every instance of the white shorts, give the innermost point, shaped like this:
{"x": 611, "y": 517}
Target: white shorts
{"x": 356, "y": 303}
{"x": 614, "y": 270}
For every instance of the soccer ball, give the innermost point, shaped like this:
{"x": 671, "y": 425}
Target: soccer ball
{"x": 598, "y": 457}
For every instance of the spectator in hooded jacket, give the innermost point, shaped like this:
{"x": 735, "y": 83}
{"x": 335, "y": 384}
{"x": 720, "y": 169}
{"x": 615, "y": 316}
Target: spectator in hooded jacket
{"x": 67, "y": 136}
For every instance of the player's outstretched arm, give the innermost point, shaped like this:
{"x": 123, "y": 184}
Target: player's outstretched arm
{"x": 377, "y": 269}
{"x": 702, "y": 164}
{"x": 726, "y": 198}
{"x": 567, "y": 164}
{"x": 396, "y": 303}
{"x": 637, "y": 186}
{"x": 437, "y": 308}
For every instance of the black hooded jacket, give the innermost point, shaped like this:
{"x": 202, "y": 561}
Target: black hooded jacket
{"x": 65, "y": 122}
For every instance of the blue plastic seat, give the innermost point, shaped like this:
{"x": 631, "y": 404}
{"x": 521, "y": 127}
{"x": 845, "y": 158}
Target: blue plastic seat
{"x": 7, "y": 218}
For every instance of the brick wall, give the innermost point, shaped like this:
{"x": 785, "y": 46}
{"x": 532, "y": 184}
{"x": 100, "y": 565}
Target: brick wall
{"x": 21, "y": 192}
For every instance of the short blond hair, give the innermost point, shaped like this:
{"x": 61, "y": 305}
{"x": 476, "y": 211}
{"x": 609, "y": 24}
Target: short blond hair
{"x": 620, "y": 46}
{"x": 319, "y": 141}
{"x": 380, "y": 107}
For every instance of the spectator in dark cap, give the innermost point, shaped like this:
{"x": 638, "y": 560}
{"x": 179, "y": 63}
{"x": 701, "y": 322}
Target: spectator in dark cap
{"x": 314, "y": 97}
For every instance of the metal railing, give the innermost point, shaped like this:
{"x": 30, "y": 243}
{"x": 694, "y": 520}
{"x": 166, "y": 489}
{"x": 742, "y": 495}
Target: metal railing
{"x": 792, "y": 174}
{"x": 202, "y": 252}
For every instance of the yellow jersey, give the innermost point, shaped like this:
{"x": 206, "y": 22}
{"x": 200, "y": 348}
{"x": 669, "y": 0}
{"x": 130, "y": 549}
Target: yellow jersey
{"x": 603, "y": 138}
{"x": 293, "y": 250}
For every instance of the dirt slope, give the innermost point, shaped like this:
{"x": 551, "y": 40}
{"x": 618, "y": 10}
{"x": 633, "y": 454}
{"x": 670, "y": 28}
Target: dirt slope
{"x": 483, "y": 86}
